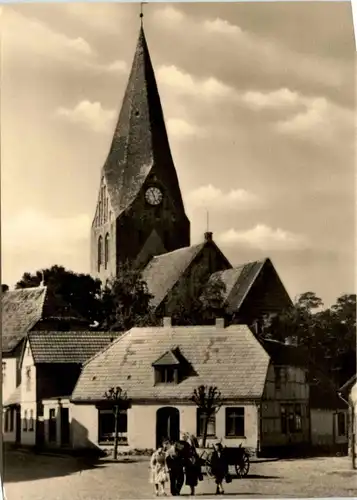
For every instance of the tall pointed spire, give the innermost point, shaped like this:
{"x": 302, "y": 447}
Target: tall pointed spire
{"x": 140, "y": 141}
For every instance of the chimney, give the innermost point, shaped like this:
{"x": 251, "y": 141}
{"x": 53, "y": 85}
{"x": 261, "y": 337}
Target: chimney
{"x": 208, "y": 236}
{"x": 167, "y": 322}
{"x": 219, "y": 322}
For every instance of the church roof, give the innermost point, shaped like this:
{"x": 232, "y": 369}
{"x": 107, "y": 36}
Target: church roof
{"x": 140, "y": 144}
{"x": 164, "y": 271}
{"x": 68, "y": 347}
{"x": 238, "y": 282}
{"x": 22, "y": 309}
{"x": 230, "y": 357}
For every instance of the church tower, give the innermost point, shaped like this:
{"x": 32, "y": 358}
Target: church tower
{"x": 140, "y": 212}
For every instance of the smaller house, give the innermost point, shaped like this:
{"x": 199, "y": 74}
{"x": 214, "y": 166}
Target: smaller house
{"x": 329, "y": 417}
{"x": 285, "y": 416}
{"x": 50, "y": 365}
{"x": 24, "y": 310}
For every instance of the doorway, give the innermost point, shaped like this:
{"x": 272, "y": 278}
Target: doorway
{"x": 65, "y": 430}
{"x": 167, "y": 424}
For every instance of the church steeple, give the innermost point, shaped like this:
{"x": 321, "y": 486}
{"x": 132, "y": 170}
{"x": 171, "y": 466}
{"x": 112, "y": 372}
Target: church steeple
{"x": 139, "y": 176}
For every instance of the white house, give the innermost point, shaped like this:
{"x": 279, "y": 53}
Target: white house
{"x": 50, "y": 365}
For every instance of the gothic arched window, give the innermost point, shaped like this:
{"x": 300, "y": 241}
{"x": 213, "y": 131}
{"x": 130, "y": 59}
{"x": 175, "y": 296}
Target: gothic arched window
{"x": 106, "y": 251}
{"x": 99, "y": 252}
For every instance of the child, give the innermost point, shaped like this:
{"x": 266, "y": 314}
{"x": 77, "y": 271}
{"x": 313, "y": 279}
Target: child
{"x": 159, "y": 474}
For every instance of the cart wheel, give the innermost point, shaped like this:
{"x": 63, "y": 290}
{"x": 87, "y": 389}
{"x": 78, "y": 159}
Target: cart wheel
{"x": 242, "y": 468}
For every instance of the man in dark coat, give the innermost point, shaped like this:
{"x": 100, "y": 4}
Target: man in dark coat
{"x": 174, "y": 462}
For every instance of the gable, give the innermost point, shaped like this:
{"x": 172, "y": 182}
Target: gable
{"x": 253, "y": 289}
{"x": 164, "y": 271}
{"x": 167, "y": 359}
{"x": 21, "y": 310}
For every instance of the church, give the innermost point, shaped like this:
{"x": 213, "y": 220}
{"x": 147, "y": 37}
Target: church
{"x": 140, "y": 219}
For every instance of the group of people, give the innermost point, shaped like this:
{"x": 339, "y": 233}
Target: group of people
{"x": 179, "y": 463}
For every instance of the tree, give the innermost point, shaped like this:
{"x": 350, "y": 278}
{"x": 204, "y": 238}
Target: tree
{"x": 201, "y": 306}
{"x": 80, "y": 291}
{"x": 119, "y": 401}
{"x": 328, "y": 335}
{"x": 126, "y": 301}
{"x": 208, "y": 400}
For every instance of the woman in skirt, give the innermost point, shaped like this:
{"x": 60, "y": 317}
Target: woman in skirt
{"x": 159, "y": 475}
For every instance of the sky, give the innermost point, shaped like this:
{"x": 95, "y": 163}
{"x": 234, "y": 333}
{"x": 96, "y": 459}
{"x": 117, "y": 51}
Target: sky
{"x": 259, "y": 105}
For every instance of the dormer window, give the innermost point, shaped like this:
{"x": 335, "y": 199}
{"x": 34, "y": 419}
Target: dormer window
{"x": 166, "y": 375}
{"x": 166, "y": 369}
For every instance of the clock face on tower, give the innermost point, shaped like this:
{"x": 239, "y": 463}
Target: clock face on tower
{"x": 153, "y": 196}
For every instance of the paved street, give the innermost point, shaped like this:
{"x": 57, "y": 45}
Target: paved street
{"x": 30, "y": 477}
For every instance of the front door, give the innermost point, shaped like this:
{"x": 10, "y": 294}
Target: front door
{"x": 18, "y": 425}
{"x": 167, "y": 424}
{"x": 65, "y": 427}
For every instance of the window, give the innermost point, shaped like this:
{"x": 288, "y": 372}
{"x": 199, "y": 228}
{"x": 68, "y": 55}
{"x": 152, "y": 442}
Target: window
{"x": 341, "y": 424}
{"x": 6, "y": 422}
{"x": 24, "y": 427}
{"x": 235, "y": 422}
{"x": 99, "y": 252}
{"x": 166, "y": 375}
{"x": 28, "y": 378}
{"x": 106, "y": 251}
{"x": 211, "y": 427}
{"x": 284, "y": 423}
{"x": 106, "y": 426}
{"x": 52, "y": 426}
{"x": 11, "y": 418}
{"x": 298, "y": 419}
{"x": 31, "y": 422}
{"x": 291, "y": 418}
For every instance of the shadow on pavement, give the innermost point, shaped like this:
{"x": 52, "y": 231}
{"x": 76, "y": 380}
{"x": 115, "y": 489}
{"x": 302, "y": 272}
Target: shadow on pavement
{"x": 26, "y": 466}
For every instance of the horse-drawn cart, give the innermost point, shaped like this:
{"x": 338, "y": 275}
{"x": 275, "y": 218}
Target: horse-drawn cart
{"x": 236, "y": 457}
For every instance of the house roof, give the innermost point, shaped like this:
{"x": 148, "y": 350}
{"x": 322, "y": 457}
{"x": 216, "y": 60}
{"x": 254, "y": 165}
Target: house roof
{"x": 14, "y": 398}
{"x": 230, "y": 358}
{"x": 23, "y": 308}
{"x": 164, "y": 271}
{"x": 347, "y": 386}
{"x": 238, "y": 282}
{"x": 68, "y": 347}
{"x": 140, "y": 143}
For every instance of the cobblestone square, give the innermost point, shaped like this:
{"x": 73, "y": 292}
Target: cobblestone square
{"x": 37, "y": 477}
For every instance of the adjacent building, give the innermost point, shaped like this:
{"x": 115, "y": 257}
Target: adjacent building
{"x": 49, "y": 365}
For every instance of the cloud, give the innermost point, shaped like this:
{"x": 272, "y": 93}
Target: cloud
{"x": 90, "y": 114}
{"x": 179, "y": 128}
{"x": 117, "y": 66}
{"x": 320, "y": 120}
{"x": 42, "y": 232}
{"x": 222, "y": 27}
{"x": 276, "y": 99}
{"x": 216, "y": 199}
{"x": 24, "y": 35}
{"x": 169, "y": 15}
{"x": 185, "y": 84}
{"x": 263, "y": 237}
